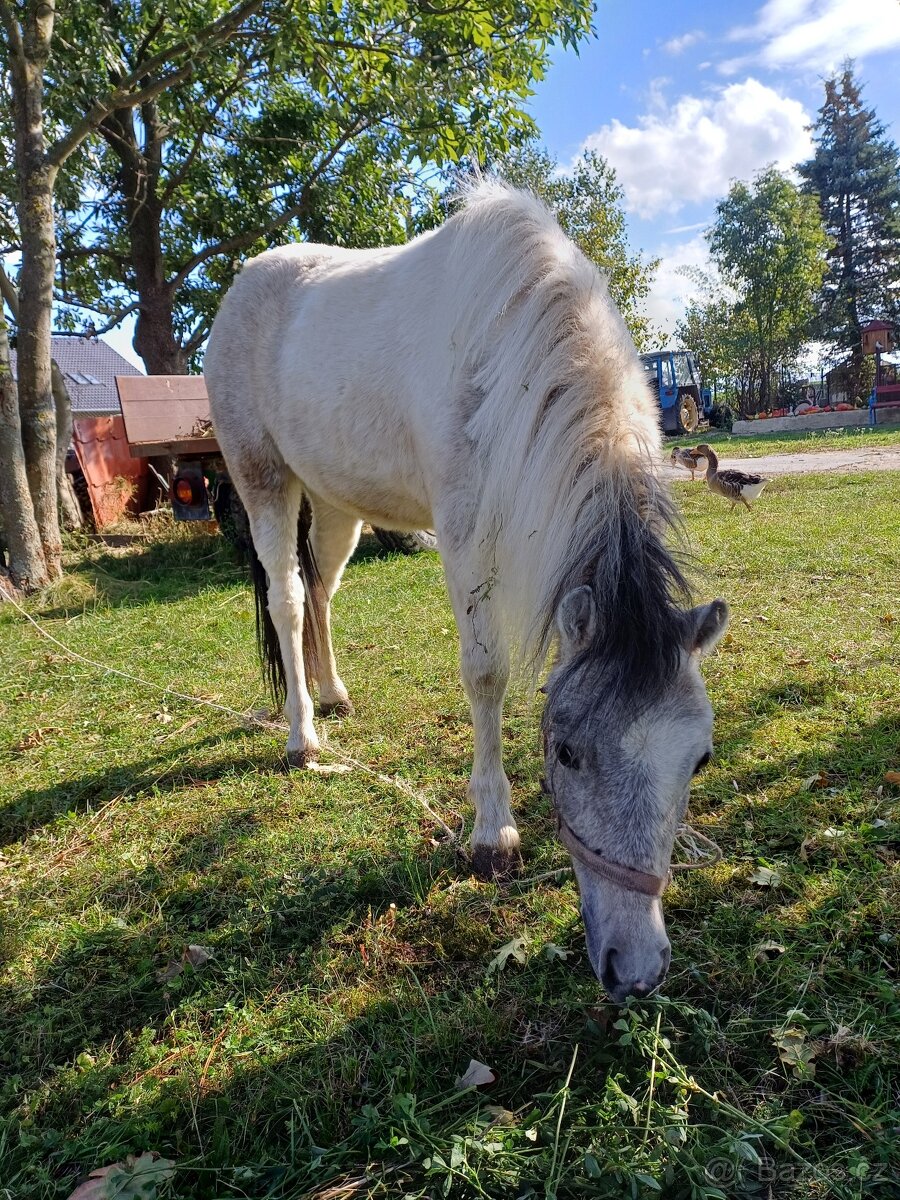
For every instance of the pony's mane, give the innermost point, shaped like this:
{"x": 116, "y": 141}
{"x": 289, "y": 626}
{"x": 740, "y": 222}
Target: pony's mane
{"x": 561, "y": 412}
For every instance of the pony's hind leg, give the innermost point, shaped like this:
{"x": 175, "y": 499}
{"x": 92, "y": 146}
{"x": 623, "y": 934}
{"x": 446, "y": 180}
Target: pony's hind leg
{"x": 273, "y": 512}
{"x": 333, "y": 538}
{"x": 484, "y": 664}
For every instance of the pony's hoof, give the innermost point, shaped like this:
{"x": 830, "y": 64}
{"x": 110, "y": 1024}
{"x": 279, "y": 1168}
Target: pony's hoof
{"x": 299, "y": 760}
{"x": 338, "y": 708}
{"x": 490, "y": 862}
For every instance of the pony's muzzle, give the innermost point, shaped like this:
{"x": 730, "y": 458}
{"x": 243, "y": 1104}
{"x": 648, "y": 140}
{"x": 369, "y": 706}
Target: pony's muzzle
{"x": 626, "y": 938}
{"x": 616, "y": 967}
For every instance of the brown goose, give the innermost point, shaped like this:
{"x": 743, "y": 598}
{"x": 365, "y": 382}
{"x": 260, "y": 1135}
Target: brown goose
{"x": 737, "y": 486}
{"x": 691, "y": 460}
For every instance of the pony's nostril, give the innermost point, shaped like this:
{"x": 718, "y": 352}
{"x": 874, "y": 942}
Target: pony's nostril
{"x": 608, "y": 976}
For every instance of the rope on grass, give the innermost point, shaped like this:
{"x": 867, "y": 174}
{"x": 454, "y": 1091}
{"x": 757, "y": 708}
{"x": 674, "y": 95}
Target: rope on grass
{"x": 392, "y": 781}
{"x": 705, "y": 850}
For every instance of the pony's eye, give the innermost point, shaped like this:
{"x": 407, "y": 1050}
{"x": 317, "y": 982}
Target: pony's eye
{"x": 702, "y": 763}
{"x": 567, "y": 758}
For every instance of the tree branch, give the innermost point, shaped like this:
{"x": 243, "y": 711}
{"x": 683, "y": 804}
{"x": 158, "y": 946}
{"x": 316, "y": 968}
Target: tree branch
{"x": 198, "y": 46}
{"x": 94, "y": 252}
{"x": 118, "y": 317}
{"x": 240, "y": 240}
{"x": 13, "y": 30}
{"x": 113, "y": 315}
{"x": 9, "y": 293}
{"x": 197, "y": 335}
{"x": 220, "y": 102}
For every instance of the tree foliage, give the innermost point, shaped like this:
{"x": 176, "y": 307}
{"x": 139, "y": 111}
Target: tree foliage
{"x": 328, "y": 128}
{"x": 769, "y": 247}
{"x": 588, "y": 203}
{"x": 855, "y": 175}
{"x": 205, "y": 132}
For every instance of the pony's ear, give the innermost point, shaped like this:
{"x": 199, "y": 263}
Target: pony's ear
{"x": 576, "y": 619}
{"x": 706, "y": 624}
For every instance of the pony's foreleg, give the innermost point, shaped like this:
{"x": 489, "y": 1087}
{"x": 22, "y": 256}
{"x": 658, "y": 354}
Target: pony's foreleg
{"x": 273, "y": 526}
{"x": 334, "y": 535}
{"x": 484, "y": 663}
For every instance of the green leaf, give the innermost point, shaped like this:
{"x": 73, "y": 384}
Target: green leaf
{"x": 514, "y": 949}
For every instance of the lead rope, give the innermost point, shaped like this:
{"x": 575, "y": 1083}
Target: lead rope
{"x": 246, "y": 718}
{"x": 685, "y": 832}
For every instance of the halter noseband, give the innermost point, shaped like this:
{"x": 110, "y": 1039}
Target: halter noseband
{"x": 624, "y": 877}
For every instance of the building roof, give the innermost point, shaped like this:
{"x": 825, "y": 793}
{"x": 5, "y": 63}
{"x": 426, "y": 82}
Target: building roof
{"x": 89, "y": 367}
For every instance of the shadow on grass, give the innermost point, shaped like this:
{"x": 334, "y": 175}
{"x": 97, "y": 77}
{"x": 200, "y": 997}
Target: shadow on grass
{"x": 167, "y": 771}
{"x": 169, "y": 570}
{"x": 324, "y": 1019}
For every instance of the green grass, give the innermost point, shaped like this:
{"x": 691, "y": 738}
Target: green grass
{"x": 803, "y": 442}
{"x": 349, "y": 978}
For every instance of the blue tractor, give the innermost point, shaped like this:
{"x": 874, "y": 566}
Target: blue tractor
{"x": 675, "y": 381}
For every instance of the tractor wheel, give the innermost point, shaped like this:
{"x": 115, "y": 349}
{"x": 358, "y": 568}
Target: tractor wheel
{"x": 688, "y": 416}
{"x": 406, "y": 543}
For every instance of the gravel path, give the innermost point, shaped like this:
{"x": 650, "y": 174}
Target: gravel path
{"x": 875, "y": 458}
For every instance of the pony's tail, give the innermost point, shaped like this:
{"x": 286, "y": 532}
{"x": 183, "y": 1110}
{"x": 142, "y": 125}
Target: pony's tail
{"x": 314, "y": 610}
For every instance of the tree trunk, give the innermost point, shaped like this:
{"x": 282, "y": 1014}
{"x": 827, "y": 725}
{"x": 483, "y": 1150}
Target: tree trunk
{"x": 69, "y": 509}
{"x": 35, "y": 178}
{"x": 26, "y": 564}
{"x": 154, "y": 335}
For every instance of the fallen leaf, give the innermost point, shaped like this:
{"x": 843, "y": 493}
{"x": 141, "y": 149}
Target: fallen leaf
{"x": 32, "y": 739}
{"x": 764, "y": 877}
{"x": 766, "y": 951}
{"x": 794, "y": 1050}
{"x": 815, "y": 782}
{"x": 163, "y": 717}
{"x": 552, "y": 951}
{"x": 888, "y": 619}
{"x": 477, "y": 1074}
{"x": 138, "y": 1178}
{"x": 892, "y": 777}
{"x": 328, "y": 768}
{"x": 197, "y": 956}
{"x": 174, "y": 967}
{"x": 848, "y": 1047}
{"x": 499, "y": 1115}
{"x": 514, "y": 949}
{"x": 192, "y": 956}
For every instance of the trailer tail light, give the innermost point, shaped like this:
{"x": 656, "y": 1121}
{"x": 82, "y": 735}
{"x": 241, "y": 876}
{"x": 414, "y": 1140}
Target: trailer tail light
{"x": 184, "y": 492}
{"x": 190, "y": 499}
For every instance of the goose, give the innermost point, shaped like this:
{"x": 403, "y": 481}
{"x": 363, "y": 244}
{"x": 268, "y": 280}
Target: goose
{"x": 737, "y": 486}
{"x": 691, "y": 460}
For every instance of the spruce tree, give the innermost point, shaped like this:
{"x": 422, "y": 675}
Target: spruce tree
{"x": 855, "y": 172}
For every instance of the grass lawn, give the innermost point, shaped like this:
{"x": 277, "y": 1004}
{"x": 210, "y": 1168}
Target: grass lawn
{"x": 353, "y": 967}
{"x": 806, "y": 441}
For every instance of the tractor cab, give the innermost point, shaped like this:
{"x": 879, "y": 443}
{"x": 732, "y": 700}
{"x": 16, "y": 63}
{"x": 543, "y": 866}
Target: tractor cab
{"x": 675, "y": 381}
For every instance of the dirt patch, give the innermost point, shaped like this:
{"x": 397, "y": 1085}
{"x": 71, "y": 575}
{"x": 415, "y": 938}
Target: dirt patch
{"x": 874, "y": 458}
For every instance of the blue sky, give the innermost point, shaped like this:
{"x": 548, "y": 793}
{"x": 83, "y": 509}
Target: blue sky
{"x": 684, "y": 96}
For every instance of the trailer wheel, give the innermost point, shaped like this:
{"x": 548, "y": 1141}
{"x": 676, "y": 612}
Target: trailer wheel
{"x": 406, "y": 543}
{"x": 688, "y": 416}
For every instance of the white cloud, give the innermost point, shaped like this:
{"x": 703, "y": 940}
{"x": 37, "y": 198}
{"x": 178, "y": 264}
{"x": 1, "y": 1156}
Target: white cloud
{"x": 691, "y": 150}
{"x": 678, "y": 45}
{"x": 671, "y": 291}
{"x": 817, "y": 33}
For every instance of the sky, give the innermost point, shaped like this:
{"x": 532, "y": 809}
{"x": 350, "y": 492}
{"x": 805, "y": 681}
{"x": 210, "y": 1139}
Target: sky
{"x": 684, "y": 96}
